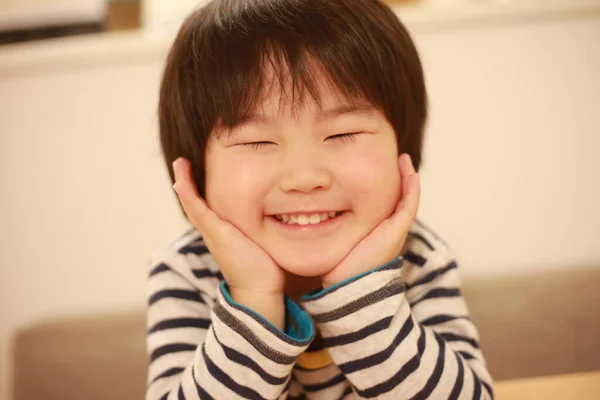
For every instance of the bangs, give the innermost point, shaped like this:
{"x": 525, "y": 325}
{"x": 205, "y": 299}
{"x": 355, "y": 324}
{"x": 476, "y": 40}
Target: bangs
{"x": 250, "y": 50}
{"x": 289, "y": 75}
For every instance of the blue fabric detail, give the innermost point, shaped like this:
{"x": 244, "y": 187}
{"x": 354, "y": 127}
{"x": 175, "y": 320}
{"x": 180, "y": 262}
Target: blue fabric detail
{"x": 321, "y": 292}
{"x": 298, "y": 325}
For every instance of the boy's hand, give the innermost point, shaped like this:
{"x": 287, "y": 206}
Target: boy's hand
{"x": 385, "y": 242}
{"x": 254, "y": 279}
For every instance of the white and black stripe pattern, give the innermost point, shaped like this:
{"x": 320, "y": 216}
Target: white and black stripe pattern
{"x": 398, "y": 332}
{"x": 228, "y": 352}
{"x": 418, "y": 342}
{"x": 325, "y": 383}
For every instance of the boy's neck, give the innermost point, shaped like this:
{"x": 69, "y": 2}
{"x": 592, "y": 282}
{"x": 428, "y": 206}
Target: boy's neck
{"x": 296, "y": 286}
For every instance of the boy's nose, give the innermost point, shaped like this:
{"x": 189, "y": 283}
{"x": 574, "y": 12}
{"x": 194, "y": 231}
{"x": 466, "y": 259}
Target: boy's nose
{"x": 304, "y": 177}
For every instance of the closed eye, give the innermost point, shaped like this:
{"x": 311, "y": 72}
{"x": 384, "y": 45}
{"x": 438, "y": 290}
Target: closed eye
{"x": 256, "y": 145}
{"x": 344, "y": 137}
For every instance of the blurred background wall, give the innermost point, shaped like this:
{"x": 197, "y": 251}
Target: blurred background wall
{"x": 510, "y": 178}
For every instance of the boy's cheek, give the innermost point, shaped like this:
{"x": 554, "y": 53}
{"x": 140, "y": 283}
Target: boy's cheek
{"x": 226, "y": 185}
{"x": 379, "y": 174}
{"x": 221, "y": 200}
{"x": 382, "y": 186}
{"x": 232, "y": 200}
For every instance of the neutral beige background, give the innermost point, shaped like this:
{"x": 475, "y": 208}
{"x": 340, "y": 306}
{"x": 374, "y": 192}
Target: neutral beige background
{"x": 510, "y": 176}
{"x": 22, "y": 14}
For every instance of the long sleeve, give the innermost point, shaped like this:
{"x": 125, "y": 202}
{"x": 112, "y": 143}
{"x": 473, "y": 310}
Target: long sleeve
{"x": 402, "y": 331}
{"x": 202, "y": 346}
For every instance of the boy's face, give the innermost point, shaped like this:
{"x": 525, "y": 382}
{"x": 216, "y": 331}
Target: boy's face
{"x": 299, "y": 171}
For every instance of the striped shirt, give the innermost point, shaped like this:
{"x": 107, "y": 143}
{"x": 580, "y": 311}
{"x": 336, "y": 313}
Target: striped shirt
{"x": 400, "y": 331}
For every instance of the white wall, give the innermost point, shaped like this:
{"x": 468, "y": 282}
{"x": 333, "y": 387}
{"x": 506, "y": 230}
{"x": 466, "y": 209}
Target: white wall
{"x": 510, "y": 176}
{"x": 166, "y": 15}
{"x": 23, "y": 14}
{"x": 84, "y": 195}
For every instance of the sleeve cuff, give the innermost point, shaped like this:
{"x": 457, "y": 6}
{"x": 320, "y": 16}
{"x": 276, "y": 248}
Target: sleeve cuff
{"x": 299, "y": 327}
{"x": 319, "y": 293}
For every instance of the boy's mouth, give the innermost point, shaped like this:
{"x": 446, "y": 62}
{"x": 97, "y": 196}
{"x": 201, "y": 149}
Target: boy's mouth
{"x": 307, "y": 218}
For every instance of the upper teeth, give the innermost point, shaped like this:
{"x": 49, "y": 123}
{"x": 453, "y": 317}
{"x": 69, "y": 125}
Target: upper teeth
{"x": 305, "y": 219}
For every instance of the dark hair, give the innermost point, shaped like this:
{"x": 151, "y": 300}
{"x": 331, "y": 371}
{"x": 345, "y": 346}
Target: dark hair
{"x": 215, "y": 71}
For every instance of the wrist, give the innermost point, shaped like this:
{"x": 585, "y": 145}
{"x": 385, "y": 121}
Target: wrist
{"x": 270, "y": 306}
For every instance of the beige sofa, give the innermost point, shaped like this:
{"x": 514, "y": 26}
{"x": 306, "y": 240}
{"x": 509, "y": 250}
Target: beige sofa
{"x": 530, "y": 325}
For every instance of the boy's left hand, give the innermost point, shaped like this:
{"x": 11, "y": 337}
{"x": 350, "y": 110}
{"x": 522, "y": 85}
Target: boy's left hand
{"x": 385, "y": 242}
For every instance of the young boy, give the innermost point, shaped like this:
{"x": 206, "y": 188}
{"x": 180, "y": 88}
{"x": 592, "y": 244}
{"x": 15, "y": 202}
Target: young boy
{"x": 292, "y": 130}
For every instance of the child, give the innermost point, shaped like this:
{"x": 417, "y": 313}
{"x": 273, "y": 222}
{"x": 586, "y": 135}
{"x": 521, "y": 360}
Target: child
{"x": 292, "y": 130}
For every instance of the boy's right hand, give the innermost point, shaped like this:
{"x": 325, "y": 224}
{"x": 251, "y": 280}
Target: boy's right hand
{"x": 254, "y": 279}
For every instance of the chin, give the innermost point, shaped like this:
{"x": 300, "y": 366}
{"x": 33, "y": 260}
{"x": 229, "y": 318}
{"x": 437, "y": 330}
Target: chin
{"x": 307, "y": 266}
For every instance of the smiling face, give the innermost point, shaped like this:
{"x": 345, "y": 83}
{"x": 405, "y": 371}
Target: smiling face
{"x": 305, "y": 184}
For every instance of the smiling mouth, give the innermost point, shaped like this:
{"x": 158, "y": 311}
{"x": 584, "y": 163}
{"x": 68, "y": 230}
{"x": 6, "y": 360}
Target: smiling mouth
{"x": 307, "y": 219}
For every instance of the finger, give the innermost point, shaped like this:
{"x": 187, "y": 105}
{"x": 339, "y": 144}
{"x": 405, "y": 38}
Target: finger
{"x": 409, "y": 205}
{"x": 406, "y": 165}
{"x": 195, "y": 208}
{"x": 413, "y": 195}
{"x": 184, "y": 179}
{"x": 403, "y": 219}
{"x": 406, "y": 170}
